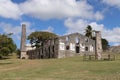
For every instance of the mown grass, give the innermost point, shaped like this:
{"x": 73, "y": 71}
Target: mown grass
{"x": 73, "y": 68}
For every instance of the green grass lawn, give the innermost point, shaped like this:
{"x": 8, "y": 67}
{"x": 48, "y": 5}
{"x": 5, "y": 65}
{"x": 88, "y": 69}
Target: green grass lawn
{"x": 73, "y": 68}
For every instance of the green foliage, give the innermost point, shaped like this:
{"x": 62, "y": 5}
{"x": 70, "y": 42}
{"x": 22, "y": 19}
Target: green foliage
{"x": 7, "y": 45}
{"x": 5, "y": 51}
{"x": 105, "y": 44}
{"x": 88, "y": 31}
{"x": 37, "y": 38}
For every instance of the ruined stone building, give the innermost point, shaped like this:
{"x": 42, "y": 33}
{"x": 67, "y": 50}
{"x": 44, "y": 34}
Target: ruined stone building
{"x": 61, "y": 47}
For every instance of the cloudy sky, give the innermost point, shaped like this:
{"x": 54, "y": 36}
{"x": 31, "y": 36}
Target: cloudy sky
{"x": 61, "y": 17}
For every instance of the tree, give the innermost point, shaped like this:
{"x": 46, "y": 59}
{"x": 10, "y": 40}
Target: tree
{"x": 38, "y": 38}
{"x": 105, "y": 44}
{"x": 88, "y": 32}
{"x": 7, "y": 45}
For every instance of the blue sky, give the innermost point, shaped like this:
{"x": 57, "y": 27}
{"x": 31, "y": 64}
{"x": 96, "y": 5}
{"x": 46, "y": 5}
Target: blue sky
{"x": 61, "y": 17}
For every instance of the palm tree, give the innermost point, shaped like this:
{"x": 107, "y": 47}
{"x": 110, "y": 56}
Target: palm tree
{"x": 89, "y": 31}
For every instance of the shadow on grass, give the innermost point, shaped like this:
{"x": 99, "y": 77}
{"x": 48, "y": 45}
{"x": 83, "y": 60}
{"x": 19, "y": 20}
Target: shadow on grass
{"x": 6, "y": 63}
{"x": 4, "y": 58}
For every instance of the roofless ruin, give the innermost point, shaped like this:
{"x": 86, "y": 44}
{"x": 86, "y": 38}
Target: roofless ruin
{"x": 64, "y": 46}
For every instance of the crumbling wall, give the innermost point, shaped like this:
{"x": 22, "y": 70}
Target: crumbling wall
{"x": 75, "y": 44}
{"x": 48, "y": 50}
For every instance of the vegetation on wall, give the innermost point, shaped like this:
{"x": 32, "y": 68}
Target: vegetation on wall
{"x": 88, "y": 31}
{"x": 37, "y": 38}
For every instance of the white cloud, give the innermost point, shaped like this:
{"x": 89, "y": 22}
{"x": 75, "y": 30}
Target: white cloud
{"x": 98, "y": 27}
{"x": 75, "y": 25}
{"x": 8, "y": 9}
{"x": 28, "y": 27}
{"x": 47, "y": 9}
{"x": 49, "y": 29}
{"x": 16, "y": 30}
{"x": 115, "y": 3}
{"x": 8, "y": 28}
{"x": 112, "y": 35}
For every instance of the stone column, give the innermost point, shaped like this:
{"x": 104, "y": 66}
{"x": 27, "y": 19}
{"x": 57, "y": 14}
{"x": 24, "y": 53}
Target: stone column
{"x": 98, "y": 45}
{"x": 23, "y": 43}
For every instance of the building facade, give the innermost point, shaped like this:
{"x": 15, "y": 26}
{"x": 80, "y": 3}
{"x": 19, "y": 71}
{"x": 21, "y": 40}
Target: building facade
{"x": 75, "y": 44}
{"x": 64, "y": 46}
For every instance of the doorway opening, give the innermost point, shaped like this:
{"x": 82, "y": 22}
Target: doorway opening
{"x": 77, "y": 49}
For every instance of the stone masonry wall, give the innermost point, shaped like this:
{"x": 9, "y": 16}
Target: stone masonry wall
{"x": 77, "y": 44}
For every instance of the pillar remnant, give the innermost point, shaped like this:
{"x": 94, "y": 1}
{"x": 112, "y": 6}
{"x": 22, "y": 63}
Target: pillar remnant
{"x": 98, "y": 44}
{"x": 23, "y": 43}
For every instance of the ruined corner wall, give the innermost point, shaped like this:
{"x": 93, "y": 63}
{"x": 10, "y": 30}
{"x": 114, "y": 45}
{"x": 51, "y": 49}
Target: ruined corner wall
{"x": 98, "y": 51}
{"x": 48, "y": 50}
